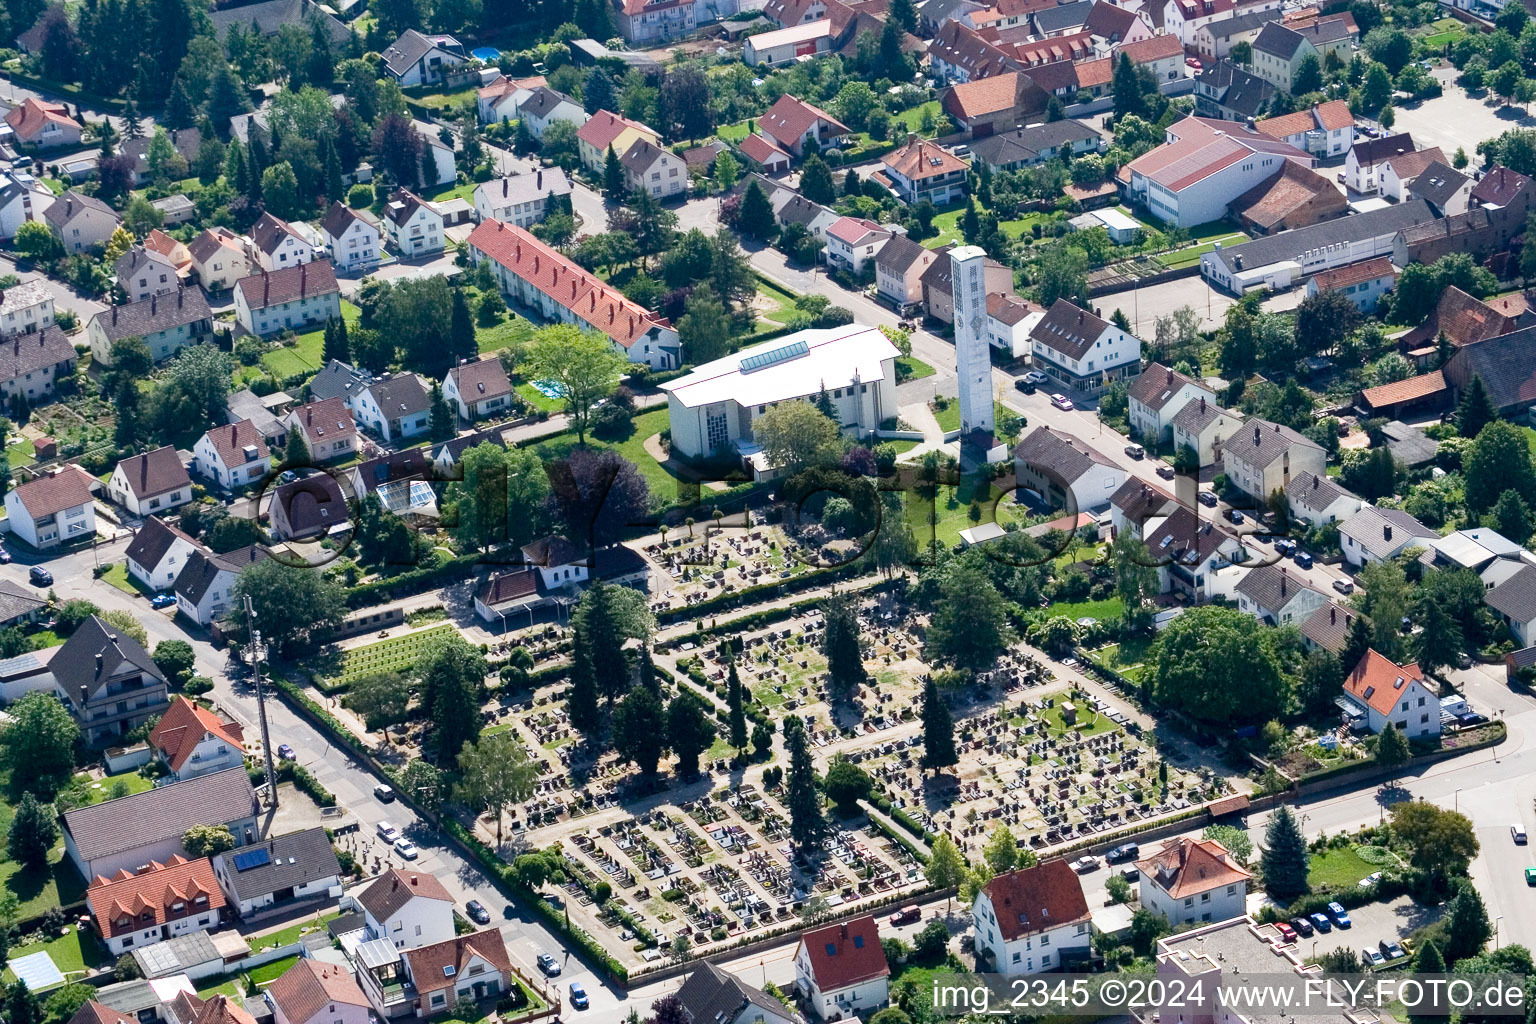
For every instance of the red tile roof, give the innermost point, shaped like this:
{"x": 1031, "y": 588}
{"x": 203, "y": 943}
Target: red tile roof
{"x": 428, "y": 965}
{"x": 184, "y": 725}
{"x": 790, "y": 118}
{"x": 983, "y": 96}
{"x": 605, "y": 126}
{"x": 1378, "y": 681}
{"x": 853, "y": 229}
{"x": 1030, "y": 900}
{"x": 231, "y": 439}
{"x": 920, "y": 159}
{"x": 128, "y": 902}
{"x": 1145, "y": 51}
{"x": 1186, "y": 867}
{"x": 328, "y": 417}
{"x": 29, "y": 118}
{"x": 762, "y": 149}
{"x": 482, "y": 379}
{"x": 288, "y": 285}
{"x": 601, "y": 307}
{"x": 1355, "y": 273}
{"x": 309, "y": 986}
{"x": 845, "y": 954}
{"x": 1422, "y": 386}
{"x": 48, "y": 495}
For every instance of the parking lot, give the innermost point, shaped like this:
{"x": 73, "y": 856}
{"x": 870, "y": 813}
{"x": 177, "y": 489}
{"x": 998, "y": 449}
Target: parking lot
{"x": 1371, "y": 924}
{"x": 1457, "y": 120}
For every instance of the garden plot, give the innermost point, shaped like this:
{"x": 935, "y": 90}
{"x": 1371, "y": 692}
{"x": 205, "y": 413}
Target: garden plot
{"x": 708, "y": 561}
{"x": 1054, "y": 768}
{"x": 397, "y": 654}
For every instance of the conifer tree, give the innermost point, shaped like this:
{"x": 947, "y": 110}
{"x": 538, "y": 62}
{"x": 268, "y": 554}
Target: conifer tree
{"x": 938, "y": 729}
{"x": 807, "y": 823}
{"x": 1285, "y": 857}
{"x": 734, "y": 699}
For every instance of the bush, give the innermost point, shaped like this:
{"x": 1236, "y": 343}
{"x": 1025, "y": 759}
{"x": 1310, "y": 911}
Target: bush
{"x": 197, "y": 686}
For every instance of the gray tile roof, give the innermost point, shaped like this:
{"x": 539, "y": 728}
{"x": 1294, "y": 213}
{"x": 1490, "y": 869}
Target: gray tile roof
{"x": 1063, "y": 17}
{"x": 187, "y": 305}
{"x": 1314, "y": 493}
{"x": 1516, "y": 596}
{"x": 898, "y": 254}
{"x": 1261, "y": 442}
{"x": 298, "y": 858}
{"x": 1369, "y": 528}
{"x": 153, "y": 473}
{"x": 1438, "y": 183}
{"x": 1185, "y": 538}
{"x": 709, "y": 995}
{"x": 1278, "y": 41}
{"x": 1329, "y": 626}
{"x": 153, "y": 540}
{"x": 130, "y": 822}
{"x": 337, "y": 379}
{"x": 69, "y": 205}
{"x": 400, "y": 395}
{"x": 1026, "y": 144}
{"x": 1271, "y": 587}
{"x": 185, "y": 140}
{"x": 75, "y": 665}
{"x": 1239, "y": 23}
{"x": 1246, "y": 95}
{"x": 1139, "y": 501}
{"x": 270, "y": 15}
{"x": 28, "y": 353}
{"x": 1058, "y": 452}
{"x": 202, "y": 569}
{"x": 1370, "y": 151}
{"x": 1199, "y": 414}
{"x": 1506, "y": 364}
{"x": 405, "y": 51}
{"x": 542, "y": 101}
{"x": 1068, "y": 329}
{"x": 1289, "y": 245}
{"x": 16, "y": 601}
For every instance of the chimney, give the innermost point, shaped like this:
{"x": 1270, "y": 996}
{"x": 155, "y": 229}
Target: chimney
{"x": 1386, "y": 532}
{"x": 1333, "y": 613}
{"x": 538, "y": 181}
{"x": 1257, "y": 435}
{"x": 99, "y": 660}
{"x": 85, "y": 691}
{"x": 911, "y": 138}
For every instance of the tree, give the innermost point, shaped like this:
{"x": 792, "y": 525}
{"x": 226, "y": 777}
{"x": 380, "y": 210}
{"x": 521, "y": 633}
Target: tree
{"x": 690, "y": 731}
{"x": 1318, "y": 682}
{"x": 734, "y": 700}
{"x": 938, "y": 729}
{"x": 755, "y": 218}
{"x": 1467, "y": 929}
{"x": 1512, "y": 517}
{"x": 1323, "y": 320}
{"x": 1130, "y": 98}
{"x": 207, "y": 840}
{"x": 21, "y": 1006}
{"x": 174, "y": 658}
{"x": 501, "y": 497}
{"x": 38, "y": 746}
{"x": 1206, "y": 646}
{"x": 683, "y": 105}
{"x": 598, "y": 494}
{"x": 35, "y": 241}
{"x": 705, "y": 329}
{"x": 904, "y": 13}
{"x": 840, "y": 644}
{"x": 1135, "y": 575}
{"x": 1233, "y": 838}
{"x": 1062, "y": 273}
{"x": 1376, "y": 88}
{"x": 795, "y": 435}
{"x": 946, "y": 866}
{"x": 582, "y": 364}
{"x": 1391, "y": 749}
{"x": 614, "y": 184}
{"x": 816, "y": 182}
{"x": 295, "y": 611}
{"x": 1497, "y": 460}
{"x": 397, "y": 147}
{"x": 1002, "y": 850}
{"x": 1386, "y": 600}
{"x": 639, "y": 723}
{"x": 846, "y": 785}
{"x": 381, "y": 699}
{"x": 1308, "y": 76}
{"x": 1284, "y": 857}
{"x": 727, "y": 171}
{"x": 452, "y": 676}
{"x": 444, "y": 421}
{"x": 280, "y": 190}
{"x": 807, "y": 823}
{"x": 1443, "y": 841}
{"x": 969, "y": 627}
{"x": 597, "y": 91}
{"x": 495, "y": 772}
{"x": 1476, "y": 410}
{"x": 34, "y": 830}
{"x": 296, "y": 451}
{"x": 461, "y": 330}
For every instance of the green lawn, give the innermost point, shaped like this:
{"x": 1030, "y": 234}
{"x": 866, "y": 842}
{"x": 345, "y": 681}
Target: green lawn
{"x": 220, "y": 985}
{"x": 266, "y": 974}
{"x": 733, "y": 133}
{"x": 1125, "y": 658}
{"x": 308, "y": 355}
{"x": 20, "y": 454}
{"x": 782, "y": 303}
{"x": 1089, "y": 722}
{"x": 1191, "y": 254}
{"x": 117, "y": 575}
{"x": 949, "y": 416}
{"x": 514, "y": 330}
{"x": 101, "y": 789}
{"x": 1104, "y": 611}
{"x": 947, "y": 224}
{"x": 950, "y": 512}
{"x": 72, "y": 953}
{"x": 293, "y": 932}
{"x": 912, "y": 368}
{"x": 446, "y": 192}
{"x": 912, "y": 120}
{"x": 1337, "y": 869}
{"x": 58, "y": 885}
{"x": 662, "y": 483}
{"x": 538, "y": 399}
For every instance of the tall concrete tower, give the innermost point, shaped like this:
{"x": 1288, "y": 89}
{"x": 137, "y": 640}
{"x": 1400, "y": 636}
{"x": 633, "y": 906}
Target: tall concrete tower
{"x": 973, "y": 359}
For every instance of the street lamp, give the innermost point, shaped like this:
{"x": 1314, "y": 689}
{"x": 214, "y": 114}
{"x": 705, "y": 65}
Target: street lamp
{"x": 1458, "y": 800}
{"x": 1496, "y": 922}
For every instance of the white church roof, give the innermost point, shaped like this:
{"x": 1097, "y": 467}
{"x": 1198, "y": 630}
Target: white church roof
{"x": 796, "y": 366}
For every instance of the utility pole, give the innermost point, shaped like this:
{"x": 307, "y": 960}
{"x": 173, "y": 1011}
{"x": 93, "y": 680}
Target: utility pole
{"x": 257, "y": 653}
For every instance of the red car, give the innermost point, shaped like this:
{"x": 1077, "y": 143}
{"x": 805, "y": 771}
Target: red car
{"x": 1193, "y": 62}
{"x": 1286, "y": 931}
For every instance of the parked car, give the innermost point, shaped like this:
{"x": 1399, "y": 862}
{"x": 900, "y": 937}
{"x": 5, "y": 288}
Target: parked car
{"x": 1024, "y": 387}
{"x": 1061, "y": 402}
{"x": 384, "y": 792}
{"x": 477, "y": 912}
{"x": 388, "y": 832}
{"x": 906, "y": 915}
{"x": 579, "y": 996}
{"x": 1036, "y": 377}
{"x": 1135, "y": 451}
{"x": 1193, "y": 63}
{"x": 5, "y": 557}
{"x": 40, "y": 577}
{"x": 1530, "y": 876}
{"x": 1085, "y": 863}
{"x": 407, "y": 849}
{"x": 1285, "y": 548}
{"x": 1344, "y": 586}
{"x": 1321, "y": 923}
{"x": 162, "y": 601}
{"x": 1286, "y": 931}
{"x": 286, "y": 752}
{"x": 1303, "y": 926}
{"x": 1235, "y": 515}
{"x": 1517, "y": 833}
{"x": 1208, "y": 499}
{"x": 1303, "y": 559}
{"x": 1391, "y": 950}
{"x": 1372, "y": 957}
{"x": 1125, "y": 851}
{"x": 1166, "y": 471}
{"x": 1370, "y": 880}
{"x": 1339, "y": 914}
{"x": 548, "y": 964}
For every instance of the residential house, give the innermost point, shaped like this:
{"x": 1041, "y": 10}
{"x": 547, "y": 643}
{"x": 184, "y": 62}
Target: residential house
{"x": 1204, "y": 165}
{"x": 1202, "y": 426}
{"x": 1214, "y": 40}
{"x": 1162, "y": 57}
{"x": 1033, "y": 146}
{"x": 521, "y": 199}
{"x": 158, "y": 902}
{"x": 417, "y": 59}
{"x": 175, "y": 210}
{"x": 81, "y": 222}
{"x": 413, "y": 225}
{"x": 1226, "y": 91}
{"x": 395, "y": 407}
{"x": 337, "y": 379}
{"x": 165, "y": 323}
{"x": 1285, "y": 258}
{"x": 961, "y": 54}
{"x": 1190, "y": 551}
{"x": 43, "y": 125}
{"x": 185, "y": 141}
{"x": 55, "y": 508}
{"x": 1115, "y": 25}
{"x": 232, "y": 455}
{"x": 353, "y": 238}
{"x": 267, "y": 17}
{"x": 710, "y": 994}
{"x": 311, "y": 508}
{"x": 299, "y": 298}
{"x": 1366, "y": 158}
{"x": 278, "y": 245}
{"x": 544, "y": 106}
{"x": 1513, "y": 600}
{"x": 1183, "y": 18}
{"x": 1317, "y": 500}
{"x": 1480, "y": 233}
{"x": 715, "y": 406}
{"x": 1011, "y": 321}
{"x": 174, "y": 251}
{"x": 649, "y": 168}
{"x": 22, "y": 198}
{"x": 25, "y": 309}
{"x": 219, "y": 259}
{"x": 814, "y": 217}
{"x": 499, "y": 101}
{"x": 104, "y": 838}
{"x": 1137, "y": 503}
{"x": 1190, "y": 880}
{"x": 1031, "y": 920}
{"x": 1270, "y": 594}
{"x": 21, "y": 607}
{"x": 1334, "y": 36}
{"x": 1278, "y": 52}
{"x": 899, "y": 267}
{"x": 1377, "y": 534}
{"x": 283, "y": 871}
{"x": 1328, "y": 628}
{"x": 1502, "y": 189}
{"x": 143, "y": 272}
{"x": 190, "y": 740}
{"x": 1448, "y": 191}
{"x": 317, "y": 992}
{"x": 479, "y": 389}
{"x": 1068, "y": 80}
{"x": 645, "y": 24}
{"x": 30, "y": 364}
{"x": 606, "y": 130}
{"x": 853, "y": 242}
{"x": 923, "y": 170}
{"x": 109, "y": 682}
{"x": 765, "y": 154}
{"x": 985, "y": 106}
{"x": 1158, "y": 395}
{"x": 1325, "y": 130}
{"x": 517, "y": 591}
{"x": 205, "y": 590}
{"x": 536, "y": 275}
{"x": 1388, "y": 692}
{"x": 1362, "y": 283}
{"x": 158, "y": 552}
{"x": 473, "y": 966}
{"x": 328, "y": 427}
{"x": 1082, "y": 352}
{"x": 401, "y": 481}
{"x": 408, "y": 908}
{"x": 1066, "y": 472}
{"x": 1400, "y": 171}
{"x": 1262, "y": 457}
{"x": 792, "y": 123}
{"x": 840, "y": 969}
{"x": 446, "y": 454}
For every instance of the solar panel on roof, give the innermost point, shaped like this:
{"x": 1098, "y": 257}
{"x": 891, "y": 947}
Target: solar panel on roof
{"x": 252, "y": 859}
{"x": 778, "y": 355}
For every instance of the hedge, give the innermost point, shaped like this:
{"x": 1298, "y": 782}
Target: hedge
{"x": 752, "y": 595}
{"x": 414, "y": 581}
